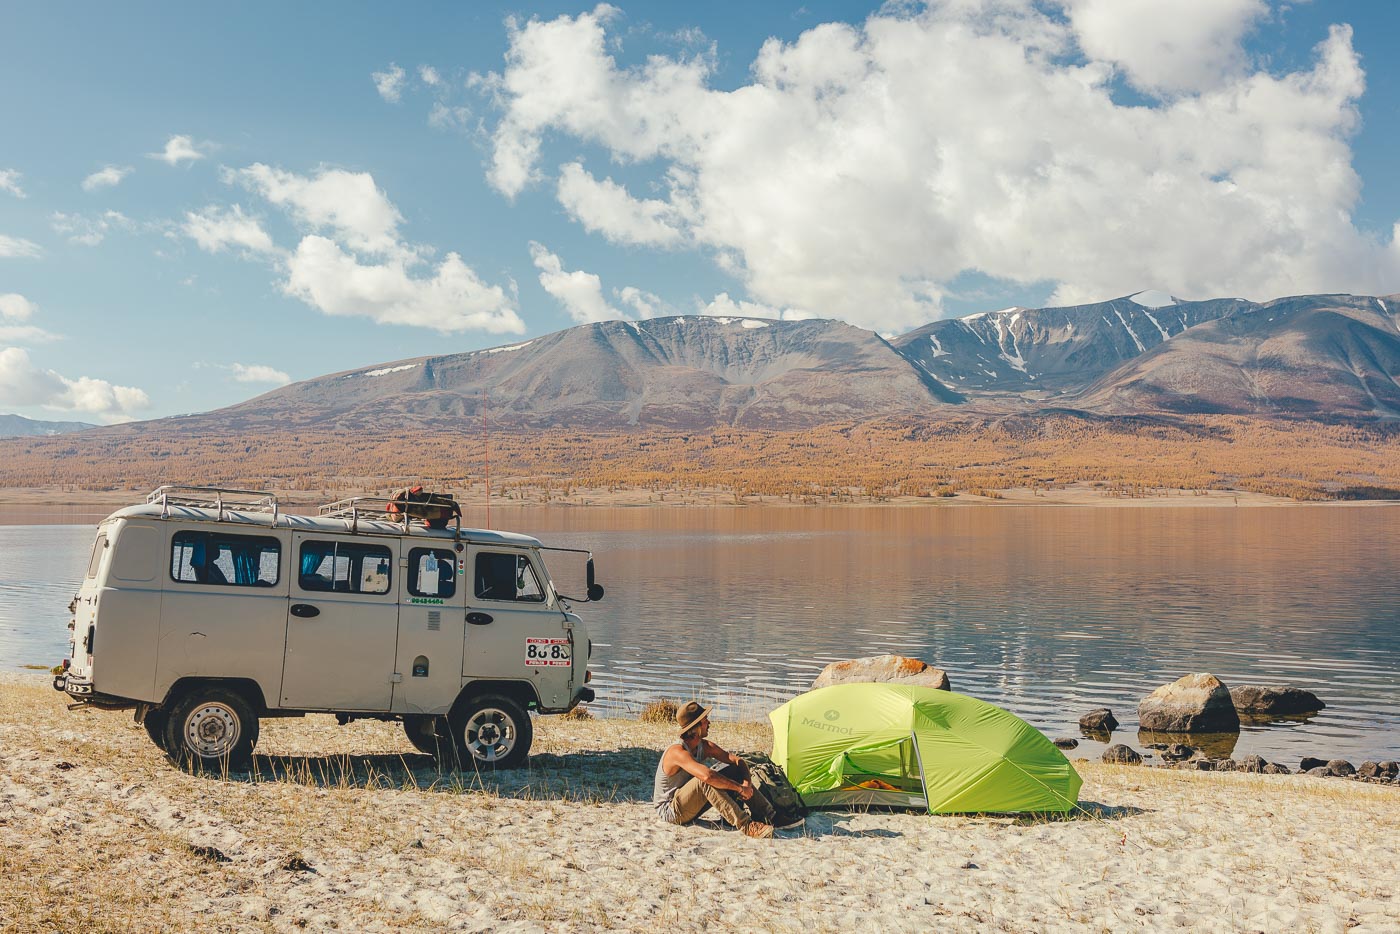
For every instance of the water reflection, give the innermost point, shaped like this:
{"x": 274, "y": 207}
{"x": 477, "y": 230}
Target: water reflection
{"x": 1047, "y": 611}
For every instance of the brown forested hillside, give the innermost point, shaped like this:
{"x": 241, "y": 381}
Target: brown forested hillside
{"x": 1305, "y": 460}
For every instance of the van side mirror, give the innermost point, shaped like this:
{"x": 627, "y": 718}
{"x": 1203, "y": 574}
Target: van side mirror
{"x": 595, "y": 590}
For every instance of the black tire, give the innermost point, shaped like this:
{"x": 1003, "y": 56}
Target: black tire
{"x": 154, "y": 723}
{"x": 490, "y": 733}
{"x": 429, "y": 735}
{"x": 211, "y": 729}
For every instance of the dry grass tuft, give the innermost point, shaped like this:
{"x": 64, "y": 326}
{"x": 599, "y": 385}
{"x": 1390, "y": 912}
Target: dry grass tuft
{"x": 578, "y": 713}
{"x": 662, "y": 710}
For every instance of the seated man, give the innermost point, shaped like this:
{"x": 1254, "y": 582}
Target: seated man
{"x": 685, "y": 786}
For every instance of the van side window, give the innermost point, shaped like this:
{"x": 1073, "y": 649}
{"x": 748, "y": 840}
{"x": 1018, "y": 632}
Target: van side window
{"x": 98, "y": 547}
{"x": 224, "y": 559}
{"x": 345, "y": 567}
{"x": 507, "y": 577}
{"x": 432, "y": 572}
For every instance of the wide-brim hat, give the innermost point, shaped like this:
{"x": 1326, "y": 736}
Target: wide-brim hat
{"x": 690, "y": 713}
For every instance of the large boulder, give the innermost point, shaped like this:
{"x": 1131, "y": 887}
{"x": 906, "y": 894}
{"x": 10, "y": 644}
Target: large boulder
{"x": 1194, "y": 704}
{"x": 895, "y": 669}
{"x": 1254, "y": 701}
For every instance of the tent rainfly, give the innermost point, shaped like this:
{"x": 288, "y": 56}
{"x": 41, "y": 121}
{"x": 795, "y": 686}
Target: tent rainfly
{"x": 915, "y": 746}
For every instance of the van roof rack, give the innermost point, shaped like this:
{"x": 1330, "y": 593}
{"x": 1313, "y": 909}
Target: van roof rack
{"x": 218, "y": 498}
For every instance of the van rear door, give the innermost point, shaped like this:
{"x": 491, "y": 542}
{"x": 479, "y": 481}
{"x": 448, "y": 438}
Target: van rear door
{"x": 342, "y": 623}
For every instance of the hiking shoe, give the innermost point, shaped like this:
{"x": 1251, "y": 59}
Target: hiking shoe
{"x": 791, "y": 824}
{"x": 758, "y": 830}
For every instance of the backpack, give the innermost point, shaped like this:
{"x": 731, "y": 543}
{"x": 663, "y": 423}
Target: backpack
{"x": 768, "y": 777}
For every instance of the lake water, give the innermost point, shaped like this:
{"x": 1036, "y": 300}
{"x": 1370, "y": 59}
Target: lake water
{"x": 1047, "y": 611}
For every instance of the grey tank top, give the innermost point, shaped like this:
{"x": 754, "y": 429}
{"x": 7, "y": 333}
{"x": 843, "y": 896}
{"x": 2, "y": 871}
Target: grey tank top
{"x": 664, "y": 791}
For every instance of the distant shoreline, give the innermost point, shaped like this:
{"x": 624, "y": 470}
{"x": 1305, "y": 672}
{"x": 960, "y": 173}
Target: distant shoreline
{"x": 50, "y": 506}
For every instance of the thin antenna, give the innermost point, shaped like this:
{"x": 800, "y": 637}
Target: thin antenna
{"x": 486, "y": 434}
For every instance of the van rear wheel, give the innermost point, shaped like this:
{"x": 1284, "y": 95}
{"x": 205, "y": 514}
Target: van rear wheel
{"x": 154, "y": 722}
{"x": 429, "y": 735}
{"x": 211, "y": 729}
{"x": 491, "y": 732}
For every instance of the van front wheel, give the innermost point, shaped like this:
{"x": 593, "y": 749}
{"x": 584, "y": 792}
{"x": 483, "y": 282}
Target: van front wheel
{"x": 211, "y": 729}
{"x": 492, "y": 732}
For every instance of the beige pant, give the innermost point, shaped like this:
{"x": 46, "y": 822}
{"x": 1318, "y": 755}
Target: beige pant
{"x": 695, "y": 796}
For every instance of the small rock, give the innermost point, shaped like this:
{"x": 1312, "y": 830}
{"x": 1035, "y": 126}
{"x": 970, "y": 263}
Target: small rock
{"x": 1389, "y": 768}
{"x": 1227, "y": 765}
{"x": 1282, "y": 702}
{"x": 1205, "y": 765}
{"x": 63, "y": 766}
{"x": 970, "y": 866}
{"x": 1309, "y": 763}
{"x": 1273, "y": 768}
{"x": 1124, "y": 755}
{"x": 1320, "y": 771}
{"x": 1368, "y": 769}
{"x": 896, "y": 669}
{"x": 1100, "y": 720}
{"x": 1198, "y": 703}
{"x": 213, "y": 854}
{"x": 1341, "y": 768}
{"x": 1066, "y": 742}
{"x": 1177, "y": 752}
{"x": 1253, "y": 764}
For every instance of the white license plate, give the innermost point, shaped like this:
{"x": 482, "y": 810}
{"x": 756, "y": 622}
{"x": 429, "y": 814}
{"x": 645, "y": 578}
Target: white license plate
{"x": 547, "y": 653}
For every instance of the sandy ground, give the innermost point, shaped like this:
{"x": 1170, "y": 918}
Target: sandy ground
{"x": 345, "y": 828}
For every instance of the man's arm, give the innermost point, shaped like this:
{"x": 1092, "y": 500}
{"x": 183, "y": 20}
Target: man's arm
{"x": 681, "y": 757}
{"x": 715, "y": 752}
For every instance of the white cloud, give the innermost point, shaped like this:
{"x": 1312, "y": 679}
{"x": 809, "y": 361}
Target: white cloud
{"x": 180, "y": 149}
{"x": 9, "y": 181}
{"x": 15, "y": 307}
{"x": 581, "y": 293}
{"x": 864, "y": 168}
{"x": 259, "y": 373}
{"x": 645, "y": 304}
{"x": 1167, "y": 47}
{"x": 89, "y": 231}
{"x": 354, "y": 262}
{"x": 322, "y": 274}
{"x": 447, "y": 117}
{"x": 18, "y": 248}
{"x": 429, "y": 75}
{"x": 389, "y": 83}
{"x": 107, "y": 177}
{"x": 725, "y": 307}
{"x": 215, "y": 228}
{"x": 22, "y": 383}
{"x": 348, "y": 204}
{"x": 607, "y": 208}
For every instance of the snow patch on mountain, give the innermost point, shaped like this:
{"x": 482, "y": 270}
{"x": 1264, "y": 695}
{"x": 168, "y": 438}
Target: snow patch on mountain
{"x": 1152, "y": 298}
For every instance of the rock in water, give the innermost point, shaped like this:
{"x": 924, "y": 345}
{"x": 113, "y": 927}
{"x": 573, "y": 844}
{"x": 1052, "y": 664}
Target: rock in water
{"x": 1310, "y": 762}
{"x": 1194, "y": 704}
{"x": 1389, "y": 769}
{"x": 1124, "y": 755}
{"x": 1253, "y": 764}
{"x": 1177, "y": 752}
{"x": 883, "y": 668}
{"x": 1273, "y": 768}
{"x": 1369, "y": 769}
{"x": 1069, "y": 742}
{"x": 1098, "y": 721}
{"x": 1254, "y": 701}
{"x": 1341, "y": 768}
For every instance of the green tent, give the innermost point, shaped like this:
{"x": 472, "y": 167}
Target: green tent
{"x": 914, "y": 746}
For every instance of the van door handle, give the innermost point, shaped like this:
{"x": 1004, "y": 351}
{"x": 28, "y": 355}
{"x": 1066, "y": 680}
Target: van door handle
{"x": 479, "y": 619}
{"x": 305, "y": 610}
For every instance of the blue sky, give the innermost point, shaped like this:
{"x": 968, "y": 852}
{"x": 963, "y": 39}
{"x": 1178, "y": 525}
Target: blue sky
{"x": 198, "y": 203}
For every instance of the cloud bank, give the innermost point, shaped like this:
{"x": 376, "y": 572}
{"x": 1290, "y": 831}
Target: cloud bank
{"x": 862, "y": 169}
{"x": 352, "y": 260}
{"x": 22, "y": 383}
